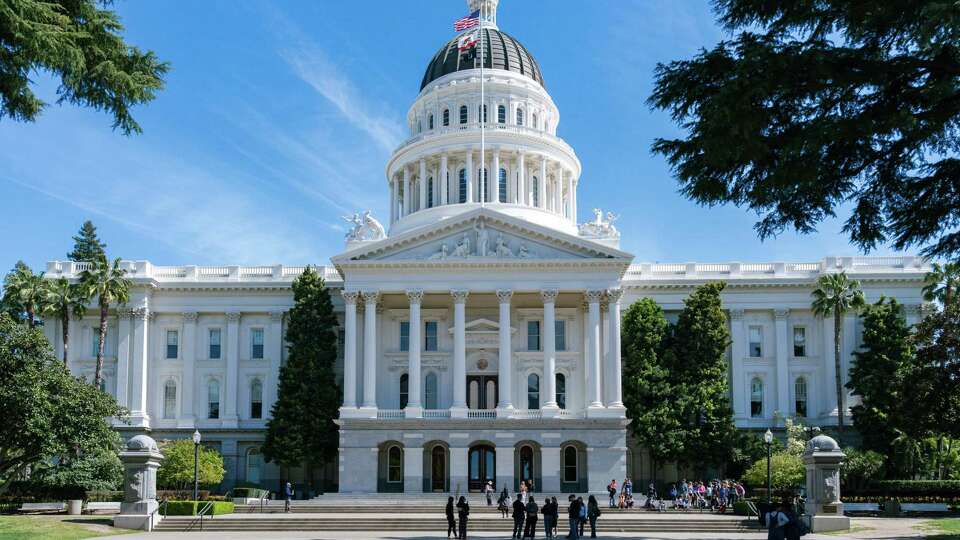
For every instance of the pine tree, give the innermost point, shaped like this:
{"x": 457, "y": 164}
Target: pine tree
{"x": 301, "y": 430}
{"x": 87, "y": 247}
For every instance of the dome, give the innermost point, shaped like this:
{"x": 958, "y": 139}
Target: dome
{"x": 500, "y": 51}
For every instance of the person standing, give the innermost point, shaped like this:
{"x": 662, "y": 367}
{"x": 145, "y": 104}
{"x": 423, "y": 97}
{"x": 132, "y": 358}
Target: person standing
{"x": 488, "y": 490}
{"x": 503, "y": 504}
{"x": 463, "y": 510}
{"x": 776, "y": 524}
{"x": 451, "y": 521}
{"x": 519, "y": 512}
{"x": 555, "y": 514}
{"x": 573, "y": 515}
{"x": 582, "y": 509}
{"x": 287, "y": 496}
{"x": 530, "y": 529}
{"x": 547, "y": 511}
{"x": 593, "y": 512}
{"x": 612, "y": 490}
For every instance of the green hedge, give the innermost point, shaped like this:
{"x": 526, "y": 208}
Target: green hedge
{"x": 190, "y": 508}
{"x": 104, "y": 496}
{"x": 900, "y": 489}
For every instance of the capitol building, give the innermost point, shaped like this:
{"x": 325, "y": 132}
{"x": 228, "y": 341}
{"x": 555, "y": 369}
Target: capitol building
{"x": 480, "y": 319}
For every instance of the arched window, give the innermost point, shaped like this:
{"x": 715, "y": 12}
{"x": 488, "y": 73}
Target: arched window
{"x": 526, "y": 463}
{"x": 170, "y": 400}
{"x": 256, "y": 399}
{"x": 404, "y": 390}
{"x": 254, "y": 464}
{"x": 213, "y": 399}
{"x": 533, "y": 391}
{"x": 501, "y": 114}
{"x": 533, "y": 120}
{"x": 463, "y": 114}
{"x": 430, "y": 391}
{"x": 502, "y": 182}
{"x": 519, "y": 117}
{"x": 430, "y": 121}
{"x": 394, "y": 464}
{"x": 800, "y": 396}
{"x": 482, "y": 112}
{"x": 561, "y": 391}
{"x": 756, "y": 398}
{"x": 462, "y": 187}
{"x": 570, "y": 473}
{"x": 536, "y": 191}
{"x": 430, "y": 202}
{"x": 446, "y": 117}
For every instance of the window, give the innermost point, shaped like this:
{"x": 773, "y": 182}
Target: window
{"x": 533, "y": 391}
{"x": 536, "y": 191}
{"x": 482, "y": 112}
{"x": 254, "y": 464}
{"x": 256, "y": 399}
{"x": 213, "y": 400}
{"x": 172, "y": 338}
{"x": 533, "y": 335}
{"x": 256, "y": 342}
{"x": 800, "y": 396}
{"x": 430, "y": 192}
{"x": 560, "y": 335}
{"x": 519, "y": 117}
{"x": 394, "y": 465}
{"x": 463, "y": 185}
{"x": 404, "y": 390}
{"x": 799, "y": 341}
{"x": 446, "y": 117}
{"x": 482, "y": 175}
{"x": 501, "y": 114}
{"x": 502, "y": 182}
{"x": 756, "y": 398}
{"x": 463, "y": 114}
{"x": 170, "y": 400}
{"x": 756, "y": 341}
{"x": 533, "y": 121}
{"x": 430, "y": 391}
{"x": 430, "y": 336}
{"x": 404, "y": 336}
{"x": 430, "y": 122}
{"x": 561, "y": 388}
{"x": 570, "y": 464}
{"x": 419, "y": 126}
{"x": 214, "y": 352}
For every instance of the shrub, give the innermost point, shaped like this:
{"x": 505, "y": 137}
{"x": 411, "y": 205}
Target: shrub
{"x": 787, "y": 472}
{"x": 918, "y": 490}
{"x": 859, "y": 468}
{"x": 190, "y": 508}
{"x": 176, "y": 472}
{"x": 186, "y": 495}
{"x": 105, "y": 496}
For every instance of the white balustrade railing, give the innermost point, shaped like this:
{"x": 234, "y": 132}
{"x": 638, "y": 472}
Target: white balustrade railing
{"x": 436, "y": 413}
{"x": 481, "y": 413}
{"x": 757, "y": 267}
{"x": 525, "y": 414}
{"x": 390, "y": 413}
{"x": 492, "y": 129}
{"x": 256, "y": 271}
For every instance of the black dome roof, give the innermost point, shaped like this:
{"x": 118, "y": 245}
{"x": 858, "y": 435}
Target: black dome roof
{"x": 500, "y": 51}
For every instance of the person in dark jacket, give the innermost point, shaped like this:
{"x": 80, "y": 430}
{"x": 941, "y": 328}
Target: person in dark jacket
{"x": 287, "y": 496}
{"x": 451, "y": 521}
{"x": 530, "y": 529}
{"x": 519, "y": 513}
{"x": 555, "y": 513}
{"x": 593, "y": 512}
{"x": 547, "y": 511}
{"x": 573, "y": 514}
{"x": 792, "y": 529}
{"x": 463, "y": 510}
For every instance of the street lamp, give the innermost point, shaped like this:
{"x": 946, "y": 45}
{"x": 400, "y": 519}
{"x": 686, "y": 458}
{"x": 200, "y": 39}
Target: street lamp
{"x": 196, "y": 464}
{"x": 768, "y": 438}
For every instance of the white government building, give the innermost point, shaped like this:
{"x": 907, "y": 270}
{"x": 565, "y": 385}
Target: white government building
{"x": 481, "y": 334}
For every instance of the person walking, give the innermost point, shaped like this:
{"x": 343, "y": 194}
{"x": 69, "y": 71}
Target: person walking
{"x": 593, "y": 512}
{"x": 488, "y": 490}
{"x": 523, "y": 492}
{"x": 530, "y": 529}
{"x": 612, "y": 490}
{"x": 573, "y": 515}
{"x": 776, "y": 524}
{"x": 451, "y": 521}
{"x": 287, "y": 497}
{"x": 463, "y": 510}
{"x": 519, "y": 512}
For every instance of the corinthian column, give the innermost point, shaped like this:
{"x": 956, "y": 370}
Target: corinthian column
{"x": 505, "y": 371}
{"x": 443, "y": 179}
{"x": 350, "y": 349}
{"x": 593, "y": 353}
{"x": 370, "y": 351}
{"x": 613, "y": 353}
{"x": 549, "y": 352}
{"x": 459, "y": 407}
{"x": 423, "y": 184}
{"x": 414, "y": 345}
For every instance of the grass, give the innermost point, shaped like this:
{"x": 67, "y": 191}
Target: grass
{"x": 942, "y": 529}
{"x": 48, "y": 528}
{"x": 853, "y": 529}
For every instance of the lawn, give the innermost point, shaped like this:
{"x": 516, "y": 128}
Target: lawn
{"x": 940, "y": 529}
{"x": 48, "y": 528}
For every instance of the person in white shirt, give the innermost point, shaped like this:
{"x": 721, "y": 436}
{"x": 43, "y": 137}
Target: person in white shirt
{"x": 776, "y": 521}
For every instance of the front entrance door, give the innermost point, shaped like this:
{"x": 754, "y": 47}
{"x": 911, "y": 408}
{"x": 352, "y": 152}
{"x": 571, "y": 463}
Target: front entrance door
{"x": 438, "y": 470}
{"x": 482, "y": 463}
{"x": 482, "y": 391}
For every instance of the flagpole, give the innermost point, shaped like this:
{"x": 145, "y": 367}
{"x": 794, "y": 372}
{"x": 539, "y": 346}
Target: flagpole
{"x": 482, "y": 184}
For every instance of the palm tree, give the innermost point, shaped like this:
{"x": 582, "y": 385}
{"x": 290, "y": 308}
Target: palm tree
{"x": 62, "y": 299}
{"x": 941, "y": 282}
{"x": 24, "y": 290}
{"x": 837, "y": 294}
{"x": 108, "y": 284}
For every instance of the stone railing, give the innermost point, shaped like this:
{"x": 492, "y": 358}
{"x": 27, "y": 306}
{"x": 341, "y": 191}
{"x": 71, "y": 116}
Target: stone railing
{"x": 526, "y": 414}
{"x": 389, "y": 413}
{"x": 491, "y": 129}
{"x": 436, "y": 413}
{"x": 481, "y": 413}
{"x": 173, "y": 274}
{"x": 734, "y": 270}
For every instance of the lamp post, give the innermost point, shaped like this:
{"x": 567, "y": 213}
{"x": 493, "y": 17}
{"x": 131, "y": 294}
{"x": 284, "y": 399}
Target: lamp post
{"x": 196, "y": 464}
{"x": 768, "y": 438}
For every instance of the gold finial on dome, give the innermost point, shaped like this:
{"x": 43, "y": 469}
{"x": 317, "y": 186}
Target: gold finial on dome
{"x": 488, "y": 11}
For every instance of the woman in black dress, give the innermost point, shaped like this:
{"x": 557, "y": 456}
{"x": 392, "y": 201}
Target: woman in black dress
{"x": 463, "y": 510}
{"x": 451, "y": 521}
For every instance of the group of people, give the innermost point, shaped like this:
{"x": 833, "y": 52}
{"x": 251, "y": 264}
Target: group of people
{"x": 716, "y": 495}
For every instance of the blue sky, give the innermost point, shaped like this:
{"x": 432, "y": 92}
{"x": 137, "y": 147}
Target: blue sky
{"x": 278, "y": 118}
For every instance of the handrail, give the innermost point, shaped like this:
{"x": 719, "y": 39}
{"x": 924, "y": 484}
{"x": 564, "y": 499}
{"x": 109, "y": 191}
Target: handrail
{"x": 266, "y": 493}
{"x": 203, "y": 510}
{"x": 163, "y": 505}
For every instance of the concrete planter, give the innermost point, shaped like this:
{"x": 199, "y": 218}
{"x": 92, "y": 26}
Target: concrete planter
{"x": 74, "y": 507}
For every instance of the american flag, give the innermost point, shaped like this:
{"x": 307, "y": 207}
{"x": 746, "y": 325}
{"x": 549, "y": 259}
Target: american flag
{"x": 469, "y": 21}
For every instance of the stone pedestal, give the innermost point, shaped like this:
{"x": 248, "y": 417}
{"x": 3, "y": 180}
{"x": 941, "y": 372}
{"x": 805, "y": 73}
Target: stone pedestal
{"x": 141, "y": 459}
{"x": 822, "y": 459}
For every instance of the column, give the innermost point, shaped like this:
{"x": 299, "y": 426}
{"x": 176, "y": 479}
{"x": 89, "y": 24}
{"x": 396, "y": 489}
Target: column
{"x": 549, "y": 353}
{"x": 414, "y": 409}
{"x": 404, "y": 179}
{"x": 737, "y": 353}
{"x": 276, "y": 358}
{"x": 459, "y": 354}
{"x": 495, "y": 175}
{"x": 393, "y": 199}
{"x": 413, "y": 469}
{"x": 829, "y": 394}
{"x": 123, "y": 357}
{"x": 783, "y": 365}
{"x": 423, "y": 184}
{"x": 569, "y": 181}
{"x": 613, "y": 353}
{"x": 370, "y": 351}
{"x": 542, "y": 184}
{"x": 350, "y": 349}
{"x": 469, "y": 168}
{"x": 593, "y": 353}
{"x": 443, "y": 179}
{"x": 575, "y": 184}
{"x": 233, "y": 370}
{"x": 187, "y": 390}
{"x": 139, "y": 368}
{"x": 558, "y": 191}
{"x": 522, "y": 184}
{"x": 505, "y": 372}
{"x": 585, "y": 356}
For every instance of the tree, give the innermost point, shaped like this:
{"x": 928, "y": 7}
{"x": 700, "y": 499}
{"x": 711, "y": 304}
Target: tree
{"x": 61, "y": 299}
{"x": 87, "y": 247}
{"x": 47, "y": 413}
{"x": 941, "y": 282}
{"x": 787, "y": 472}
{"x": 108, "y": 284}
{"x": 814, "y": 105}
{"x": 23, "y": 292}
{"x": 301, "y": 429}
{"x": 80, "y": 43}
{"x": 176, "y": 471}
{"x": 98, "y": 469}
{"x": 835, "y": 295}
{"x": 933, "y": 380}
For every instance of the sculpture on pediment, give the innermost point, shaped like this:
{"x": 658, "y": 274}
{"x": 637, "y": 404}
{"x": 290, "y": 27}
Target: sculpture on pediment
{"x": 503, "y": 250}
{"x": 440, "y": 255}
{"x": 482, "y": 239}
{"x": 601, "y": 226}
{"x": 365, "y": 228}
{"x": 462, "y": 250}
{"x": 523, "y": 252}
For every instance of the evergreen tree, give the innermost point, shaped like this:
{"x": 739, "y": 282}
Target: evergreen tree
{"x": 302, "y": 430}
{"x": 87, "y": 247}
{"x": 932, "y": 402}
